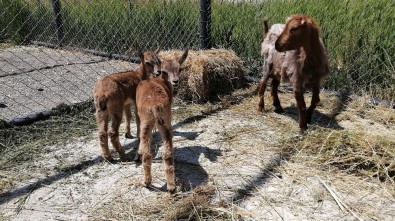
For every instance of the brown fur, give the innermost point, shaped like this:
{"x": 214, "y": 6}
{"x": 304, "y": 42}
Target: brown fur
{"x": 294, "y": 53}
{"x": 114, "y": 95}
{"x": 154, "y": 99}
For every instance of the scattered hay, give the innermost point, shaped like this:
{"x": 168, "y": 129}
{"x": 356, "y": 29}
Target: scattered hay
{"x": 23, "y": 144}
{"x": 208, "y": 74}
{"x": 196, "y": 206}
{"x": 365, "y": 107}
{"x": 350, "y": 151}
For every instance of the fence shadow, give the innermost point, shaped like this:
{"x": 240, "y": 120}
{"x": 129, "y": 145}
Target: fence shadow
{"x": 64, "y": 173}
{"x": 130, "y": 149}
{"x": 264, "y": 176}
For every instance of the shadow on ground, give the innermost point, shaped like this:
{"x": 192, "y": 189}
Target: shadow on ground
{"x": 318, "y": 118}
{"x": 189, "y": 170}
{"x": 131, "y": 150}
{"x": 263, "y": 177}
{"x": 62, "y": 174}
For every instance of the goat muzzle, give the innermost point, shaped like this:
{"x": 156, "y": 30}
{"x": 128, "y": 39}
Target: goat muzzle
{"x": 175, "y": 83}
{"x": 279, "y": 47}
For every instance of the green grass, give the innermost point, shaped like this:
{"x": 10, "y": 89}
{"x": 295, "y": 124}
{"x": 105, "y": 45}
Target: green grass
{"x": 358, "y": 35}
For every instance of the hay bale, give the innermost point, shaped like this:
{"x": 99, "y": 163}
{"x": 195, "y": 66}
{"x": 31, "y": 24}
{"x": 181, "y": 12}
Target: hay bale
{"x": 208, "y": 74}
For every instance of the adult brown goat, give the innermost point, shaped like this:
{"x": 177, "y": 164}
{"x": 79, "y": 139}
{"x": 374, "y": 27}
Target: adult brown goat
{"x": 115, "y": 94}
{"x": 154, "y": 99}
{"x": 294, "y": 52}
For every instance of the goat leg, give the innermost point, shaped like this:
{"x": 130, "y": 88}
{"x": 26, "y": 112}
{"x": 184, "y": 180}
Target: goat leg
{"x": 168, "y": 156}
{"x": 102, "y": 122}
{"x": 128, "y": 117}
{"x": 274, "y": 93}
{"x": 261, "y": 94}
{"x": 138, "y": 123}
{"x": 104, "y": 146}
{"x": 114, "y": 135}
{"x": 145, "y": 151}
{"x": 298, "y": 93}
{"x": 314, "y": 102}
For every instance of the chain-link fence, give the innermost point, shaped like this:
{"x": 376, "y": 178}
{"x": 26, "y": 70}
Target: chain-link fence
{"x": 53, "y": 51}
{"x": 85, "y": 39}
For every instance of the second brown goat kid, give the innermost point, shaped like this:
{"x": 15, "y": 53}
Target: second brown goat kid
{"x": 154, "y": 99}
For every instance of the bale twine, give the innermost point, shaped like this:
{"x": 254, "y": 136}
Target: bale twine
{"x": 208, "y": 74}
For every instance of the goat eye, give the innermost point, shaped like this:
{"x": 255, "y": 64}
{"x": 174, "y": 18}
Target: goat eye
{"x": 149, "y": 64}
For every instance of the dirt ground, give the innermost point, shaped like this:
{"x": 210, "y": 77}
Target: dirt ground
{"x": 231, "y": 162}
{"x": 233, "y": 152}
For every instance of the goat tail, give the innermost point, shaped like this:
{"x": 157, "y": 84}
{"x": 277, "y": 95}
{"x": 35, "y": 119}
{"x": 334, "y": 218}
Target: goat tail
{"x": 266, "y": 25}
{"x": 157, "y": 111}
{"x": 102, "y": 102}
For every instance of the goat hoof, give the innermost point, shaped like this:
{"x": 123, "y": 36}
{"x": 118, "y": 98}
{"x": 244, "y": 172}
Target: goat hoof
{"x": 147, "y": 184}
{"x": 303, "y": 130}
{"x": 308, "y": 119}
{"x": 137, "y": 157}
{"x": 108, "y": 158}
{"x": 171, "y": 190}
{"x": 123, "y": 159}
{"x": 129, "y": 136}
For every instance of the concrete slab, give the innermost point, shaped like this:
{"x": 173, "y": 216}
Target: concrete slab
{"x": 36, "y": 79}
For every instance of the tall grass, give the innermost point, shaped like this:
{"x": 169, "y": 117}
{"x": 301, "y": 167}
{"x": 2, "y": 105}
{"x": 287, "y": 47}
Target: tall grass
{"x": 114, "y": 26}
{"x": 358, "y": 35}
{"x": 13, "y": 21}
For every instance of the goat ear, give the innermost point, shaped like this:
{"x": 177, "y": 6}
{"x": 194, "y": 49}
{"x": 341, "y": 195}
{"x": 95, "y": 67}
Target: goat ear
{"x": 141, "y": 55}
{"x": 139, "y": 51}
{"x": 157, "y": 50}
{"x": 183, "y": 57}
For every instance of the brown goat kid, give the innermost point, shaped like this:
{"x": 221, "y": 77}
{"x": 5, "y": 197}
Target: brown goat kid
{"x": 154, "y": 99}
{"x": 294, "y": 52}
{"x": 114, "y": 95}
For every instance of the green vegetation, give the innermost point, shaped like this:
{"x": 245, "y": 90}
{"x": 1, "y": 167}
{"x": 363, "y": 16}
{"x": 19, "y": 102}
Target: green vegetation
{"x": 358, "y": 35}
{"x": 12, "y": 23}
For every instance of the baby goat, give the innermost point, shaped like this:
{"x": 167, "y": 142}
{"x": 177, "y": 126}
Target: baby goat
{"x": 154, "y": 98}
{"x": 294, "y": 52}
{"x": 114, "y": 94}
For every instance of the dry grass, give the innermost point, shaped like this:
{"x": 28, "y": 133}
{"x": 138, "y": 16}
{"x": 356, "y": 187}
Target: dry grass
{"x": 349, "y": 151}
{"x": 343, "y": 149}
{"x": 21, "y": 146}
{"x": 358, "y": 139}
{"x": 192, "y": 205}
{"x": 208, "y": 74}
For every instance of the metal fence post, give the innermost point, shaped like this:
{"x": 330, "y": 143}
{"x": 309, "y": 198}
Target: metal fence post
{"x": 205, "y": 24}
{"x": 58, "y": 21}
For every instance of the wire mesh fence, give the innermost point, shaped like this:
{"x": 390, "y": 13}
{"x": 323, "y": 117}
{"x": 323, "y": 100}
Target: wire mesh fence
{"x": 85, "y": 39}
{"x": 53, "y": 51}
